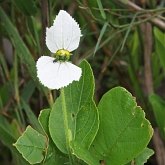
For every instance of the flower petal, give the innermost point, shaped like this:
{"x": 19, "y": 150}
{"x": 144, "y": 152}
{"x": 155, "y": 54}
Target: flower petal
{"x": 55, "y": 75}
{"x": 64, "y": 34}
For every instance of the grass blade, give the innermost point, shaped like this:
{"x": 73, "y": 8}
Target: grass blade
{"x": 101, "y": 9}
{"x": 100, "y": 36}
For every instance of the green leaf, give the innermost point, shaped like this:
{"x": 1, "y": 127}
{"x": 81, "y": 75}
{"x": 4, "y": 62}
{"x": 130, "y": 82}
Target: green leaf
{"x": 124, "y": 132}
{"x": 135, "y": 49}
{"x": 82, "y": 115}
{"x": 53, "y": 156}
{"x": 28, "y": 90}
{"x": 7, "y": 138}
{"x": 158, "y": 105}
{"x": 31, "y": 145}
{"x": 128, "y": 31}
{"x": 6, "y": 135}
{"x": 3, "y": 64}
{"x": 31, "y": 116}
{"x": 143, "y": 156}
{"x": 16, "y": 129}
{"x": 5, "y": 92}
{"x": 44, "y": 119}
{"x": 157, "y": 73}
{"x": 101, "y": 9}
{"x": 17, "y": 158}
{"x": 27, "y": 7}
{"x": 159, "y": 45}
{"x": 84, "y": 154}
{"x": 102, "y": 32}
{"x": 33, "y": 29}
{"x": 22, "y": 51}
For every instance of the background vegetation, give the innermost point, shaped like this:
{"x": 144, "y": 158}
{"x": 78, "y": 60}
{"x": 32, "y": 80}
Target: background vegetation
{"x": 124, "y": 41}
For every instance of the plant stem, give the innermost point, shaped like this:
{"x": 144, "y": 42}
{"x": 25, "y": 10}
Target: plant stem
{"x": 66, "y": 128}
{"x": 156, "y": 21}
{"x": 50, "y": 98}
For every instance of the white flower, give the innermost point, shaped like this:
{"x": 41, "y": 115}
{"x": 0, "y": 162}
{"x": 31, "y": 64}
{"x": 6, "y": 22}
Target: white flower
{"x": 61, "y": 38}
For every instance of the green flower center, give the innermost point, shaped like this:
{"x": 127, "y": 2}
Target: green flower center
{"x": 62, "y": 55}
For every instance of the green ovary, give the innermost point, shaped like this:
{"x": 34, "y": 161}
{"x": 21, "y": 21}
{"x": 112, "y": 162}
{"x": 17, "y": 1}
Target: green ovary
{"x": 62, "y": 55}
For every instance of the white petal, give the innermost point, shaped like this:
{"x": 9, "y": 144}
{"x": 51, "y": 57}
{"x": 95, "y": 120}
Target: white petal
{"x": 64, "y": 34}
{"x": 55, "y": 75}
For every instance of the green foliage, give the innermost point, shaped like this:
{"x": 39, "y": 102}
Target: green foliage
{"x": 158, "y": 105}
{"x": 31, "y": 116}
{"x": 122, "y": 124}
{"x": 28, "y": 7}
{"x": 102, "y": 32}
{"x": 82, "y": 114}
{"x": 73, "y": 124}
{"x": 159, "y": 45}
{"x": 20, "y": 47}
{"x": 143, "y": 156}
{"x": 6, "y": 132}
{"x": 53, "y": 155}
{"x": 8, "y": 138}
{"x": 101, "y": 9}
{"x": 113, "y": 42}
{"x": 31, "y": 145}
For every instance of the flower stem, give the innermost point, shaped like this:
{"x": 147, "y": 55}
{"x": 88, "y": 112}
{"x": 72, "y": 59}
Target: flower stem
{"x": 50, "y": 98}
{"x": 66, "y": 128}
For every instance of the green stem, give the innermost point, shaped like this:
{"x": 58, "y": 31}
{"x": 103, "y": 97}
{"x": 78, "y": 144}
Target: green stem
{"x": 66, "y": 128}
